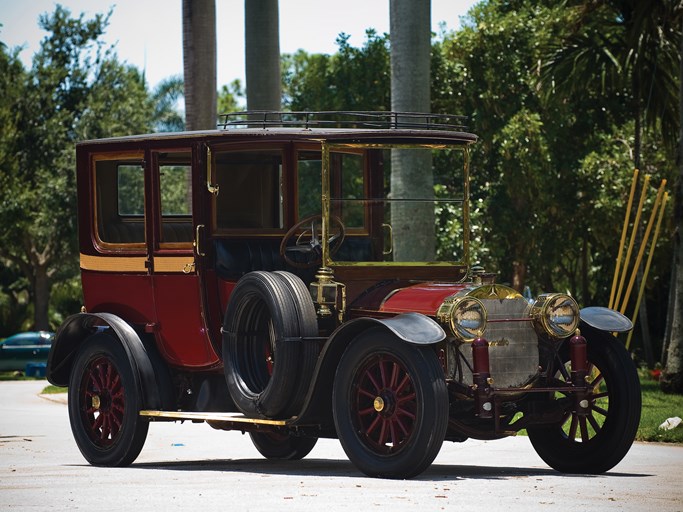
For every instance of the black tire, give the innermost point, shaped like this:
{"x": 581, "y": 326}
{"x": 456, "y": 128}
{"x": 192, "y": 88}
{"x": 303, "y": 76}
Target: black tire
{"x": 282, "y": 446}
{"x": 308, "y": 327}
{"x": 104, "y": 403}
{"x": 597, "y": 442}
{"x": 399, "y": 436}
{"x": 259, "y": 356}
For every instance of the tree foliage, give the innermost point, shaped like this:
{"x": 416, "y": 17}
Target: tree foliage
{"x": 76, "y": 89}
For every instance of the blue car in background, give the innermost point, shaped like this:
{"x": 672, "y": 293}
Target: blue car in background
{"x": 25, "y": 351}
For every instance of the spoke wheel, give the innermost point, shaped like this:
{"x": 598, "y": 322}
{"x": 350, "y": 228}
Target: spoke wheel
{"x": 386, "y": 404}
{"x": 104, "y": 400}
{"x": 104, "y": 403}
{"x": 390, "y": 405}
{"x": 594, "y": 438}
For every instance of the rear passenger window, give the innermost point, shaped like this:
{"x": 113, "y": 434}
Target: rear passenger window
{"x": 120, "y": 200}
{"x": 175, "y": 191}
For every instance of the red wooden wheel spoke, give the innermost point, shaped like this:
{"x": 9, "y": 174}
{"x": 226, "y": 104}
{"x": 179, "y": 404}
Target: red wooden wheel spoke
{"x": 573, "y": 427}
{"x": 374, "y": 382}
{"x": 599, "y": 410}
{"x": 584, "y": 429}
{"x": 404, "y": 382}
{"x": 388, "y": 426}
{"x": 594, "y": 423}
{"x": 104, "y": 401}
{"x": 382, "y": 434}
{"x": 383, "y": 374}
{"x": 395, "y": 369}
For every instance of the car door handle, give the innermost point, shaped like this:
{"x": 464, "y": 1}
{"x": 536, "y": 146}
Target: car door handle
{"x": 197, "y": 233}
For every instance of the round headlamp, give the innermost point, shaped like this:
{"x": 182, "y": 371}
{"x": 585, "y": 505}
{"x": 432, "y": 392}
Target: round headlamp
{"x": 465, "y": 316}
{"x": 557, "y": 314}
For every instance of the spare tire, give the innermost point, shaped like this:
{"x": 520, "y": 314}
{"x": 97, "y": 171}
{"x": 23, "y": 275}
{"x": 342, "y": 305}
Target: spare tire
{"x": 261, "y": 345}
{"x": 308, "y": 328}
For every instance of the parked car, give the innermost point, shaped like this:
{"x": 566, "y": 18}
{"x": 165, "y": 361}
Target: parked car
{"x": 285, "y": 276}
{"x": 20, "y": 350}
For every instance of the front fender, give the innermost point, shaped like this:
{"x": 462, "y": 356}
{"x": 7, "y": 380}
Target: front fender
{"x": 605, "y": 319}
{"x": 412, "y": 328}
{"x": 74, "y": 332}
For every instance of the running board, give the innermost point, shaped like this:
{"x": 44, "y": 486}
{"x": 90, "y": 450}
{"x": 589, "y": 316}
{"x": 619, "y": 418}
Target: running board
{"x": 225, "y": 419}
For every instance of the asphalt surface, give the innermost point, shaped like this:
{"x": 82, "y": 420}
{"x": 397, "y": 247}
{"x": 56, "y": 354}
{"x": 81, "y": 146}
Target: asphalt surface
{"x": 191, "y": 466}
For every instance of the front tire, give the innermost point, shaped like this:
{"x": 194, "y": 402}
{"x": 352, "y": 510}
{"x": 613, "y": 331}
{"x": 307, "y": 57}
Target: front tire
{"x": 104, "y": 403}
{"x": 390, "y": 405}
{"x": 595, "y": 442}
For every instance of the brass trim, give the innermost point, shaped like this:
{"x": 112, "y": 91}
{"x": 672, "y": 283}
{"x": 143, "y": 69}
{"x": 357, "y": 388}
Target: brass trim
{"x": 113, "y": 263}
{"x": 173, "y": 264}
{"x": 196, "y": 240}
{"x": 211, "y": 416}
{"x": 213, "y": 189}
{"x": 494, "y": 291}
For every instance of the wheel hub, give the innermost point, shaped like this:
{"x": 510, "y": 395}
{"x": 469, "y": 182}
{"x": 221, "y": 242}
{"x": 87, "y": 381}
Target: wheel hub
{"x": 384, "y": 403}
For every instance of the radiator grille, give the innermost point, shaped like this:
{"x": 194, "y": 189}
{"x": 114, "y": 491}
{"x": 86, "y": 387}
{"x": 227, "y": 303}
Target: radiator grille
{"x": 513, "y": 343}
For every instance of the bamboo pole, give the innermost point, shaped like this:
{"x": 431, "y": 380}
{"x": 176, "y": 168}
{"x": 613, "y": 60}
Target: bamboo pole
{"x": 624, "y": 230}
{"x": 632, "y": 241}
{"x": 647, "y": 267}
{"x": 643, "y": 245}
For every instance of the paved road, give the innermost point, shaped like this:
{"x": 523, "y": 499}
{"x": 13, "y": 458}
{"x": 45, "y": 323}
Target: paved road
{"x": 193, "y": 467}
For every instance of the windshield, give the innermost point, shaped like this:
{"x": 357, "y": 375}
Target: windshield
{"x": 396, "y": 204}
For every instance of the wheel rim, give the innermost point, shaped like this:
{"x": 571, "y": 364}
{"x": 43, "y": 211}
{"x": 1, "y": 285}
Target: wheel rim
{"x": 585, "y": 426}
{"x": 103, "y": 402}
{"x": 384, "y": 404}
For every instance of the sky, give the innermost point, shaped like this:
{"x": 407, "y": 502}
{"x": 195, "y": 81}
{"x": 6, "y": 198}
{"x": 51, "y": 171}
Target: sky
{"x": 148, "y": 33}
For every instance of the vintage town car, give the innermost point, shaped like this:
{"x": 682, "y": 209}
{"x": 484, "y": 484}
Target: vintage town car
{"x": 307, "y": 275}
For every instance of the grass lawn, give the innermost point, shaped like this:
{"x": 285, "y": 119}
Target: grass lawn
{"x": 657, "y": 407}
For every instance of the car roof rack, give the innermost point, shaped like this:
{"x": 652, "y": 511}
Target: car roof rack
{"x": 381, "y": 120}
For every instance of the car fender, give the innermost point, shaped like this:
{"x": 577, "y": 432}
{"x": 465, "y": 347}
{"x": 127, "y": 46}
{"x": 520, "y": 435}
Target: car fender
{"x": 414, "y": 328}
{"x": 605, "y": 319}
{"x": 74, "y": 332}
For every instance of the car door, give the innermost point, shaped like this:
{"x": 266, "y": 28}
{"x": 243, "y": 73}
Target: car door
{"x": 181, "y": 329}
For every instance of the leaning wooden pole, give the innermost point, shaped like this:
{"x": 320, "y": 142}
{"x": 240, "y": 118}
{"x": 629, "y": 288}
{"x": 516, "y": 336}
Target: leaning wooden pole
{"x": 622, "y": 242}
{"x": 653, "y": 245}
{"x": 632, "y": 241}
{"x": 643, "y": 244}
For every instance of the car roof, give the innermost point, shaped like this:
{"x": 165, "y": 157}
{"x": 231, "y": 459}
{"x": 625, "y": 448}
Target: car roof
{"x": 371, "y": 127}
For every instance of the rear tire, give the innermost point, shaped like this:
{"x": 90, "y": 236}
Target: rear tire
{"x": 104, "y": 403}
{"x": 282, "y": 446}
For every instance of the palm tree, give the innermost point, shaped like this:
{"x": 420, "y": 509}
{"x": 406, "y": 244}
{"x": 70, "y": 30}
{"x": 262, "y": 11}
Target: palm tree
{"x": 631, "y": 47}
{"x": 262, "y": 54}
{"x": 622, "y": 47}
{"x": 672, "y": 377}
{"x": 199, "y": 63}
{"x": 410, "y": 37}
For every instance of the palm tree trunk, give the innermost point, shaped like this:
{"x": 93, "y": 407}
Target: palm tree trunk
{"x": 199, "y": 63}
{"x": 411, "y": 171}
{"x": 262, "y": 54}
{"x": 672, "y": 376}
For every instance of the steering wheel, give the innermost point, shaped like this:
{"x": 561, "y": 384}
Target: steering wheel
{"x": 308, "y": 242}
